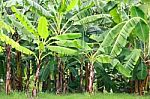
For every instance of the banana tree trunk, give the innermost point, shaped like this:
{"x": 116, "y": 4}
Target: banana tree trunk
{"x": 81, "y": 78}
{"x": 8, "y": 68}
{"x": 141, "y": 87}
{"x": 87, "y": 72}
{"x": 146, "y": 81}
{"x": 59, "y": 79}
{"x": 65, "y": 85}
{"x": 34, "y": 90}
{"x": 136, "y": 86}
{"x": 28, "y": 64}
{"x": 91, "y": 78}
{"x": 64, "y": 80}
{"x": 19, "y": 71}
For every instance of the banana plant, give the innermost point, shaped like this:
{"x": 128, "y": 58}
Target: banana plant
{"x": 10, "y": 43}
{"x": 44, "y": 39}
{"x": 137, "y": 29}
{"x": 113, "y": 43}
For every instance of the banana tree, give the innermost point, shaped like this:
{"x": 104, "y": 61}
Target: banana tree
{"x": 10, "y": 44}
{"x": 112, "y": 45}
{"x": 137, "y": 29}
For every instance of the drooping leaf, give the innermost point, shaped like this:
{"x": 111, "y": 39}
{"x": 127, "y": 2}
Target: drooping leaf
{"x": 14, "y": 44}
{"x": 142, "y": 71}
{"x": 43, "y": 27}
{"x": 124, "y": 16}
{"x": 11, "y": 42}
{"x": 132, "y": 59}
{"x": 126, "y": 72}
{"x": 110, "y": 5}
{"x": 91, "y": 18}
{"x": 120, "y": 67}
{"x": 23, "y": 19}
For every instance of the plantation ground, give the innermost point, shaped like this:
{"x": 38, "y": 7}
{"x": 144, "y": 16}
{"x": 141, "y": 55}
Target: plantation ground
{"x": 73, "y": 96}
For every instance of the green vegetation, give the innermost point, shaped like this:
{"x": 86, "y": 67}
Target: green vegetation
{"x": 17, "y": 95}
{"x": 75, "y": 46}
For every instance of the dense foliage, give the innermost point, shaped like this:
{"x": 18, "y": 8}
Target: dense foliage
{"x": 68, "y": 46}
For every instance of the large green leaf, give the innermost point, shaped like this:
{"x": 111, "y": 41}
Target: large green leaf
{"x": 38, "y": 8}
{"x": 67, "y": 36}
{"x": 62, "y": 50}
{"x": 109, "y": 38}
{"x": 125, "y": 71}
{"x": 91, "y": 18}
{"x": 129, "y": 63}
{"x": 111, "y": 35}
{"x": 25, "y": 22}
{"x": 142, "y": 29}
{"x": 79, "y": 44}
{"x": 124, "y": 33}
{"x": 43, "y": 27}
{"x": 115, "y": 63}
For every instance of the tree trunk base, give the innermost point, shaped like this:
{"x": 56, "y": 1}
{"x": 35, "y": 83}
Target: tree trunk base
{"x": 34, "y": 92}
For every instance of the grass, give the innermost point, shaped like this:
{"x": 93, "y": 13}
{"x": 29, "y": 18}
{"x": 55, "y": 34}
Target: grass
{"x": 17, "y": 95}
